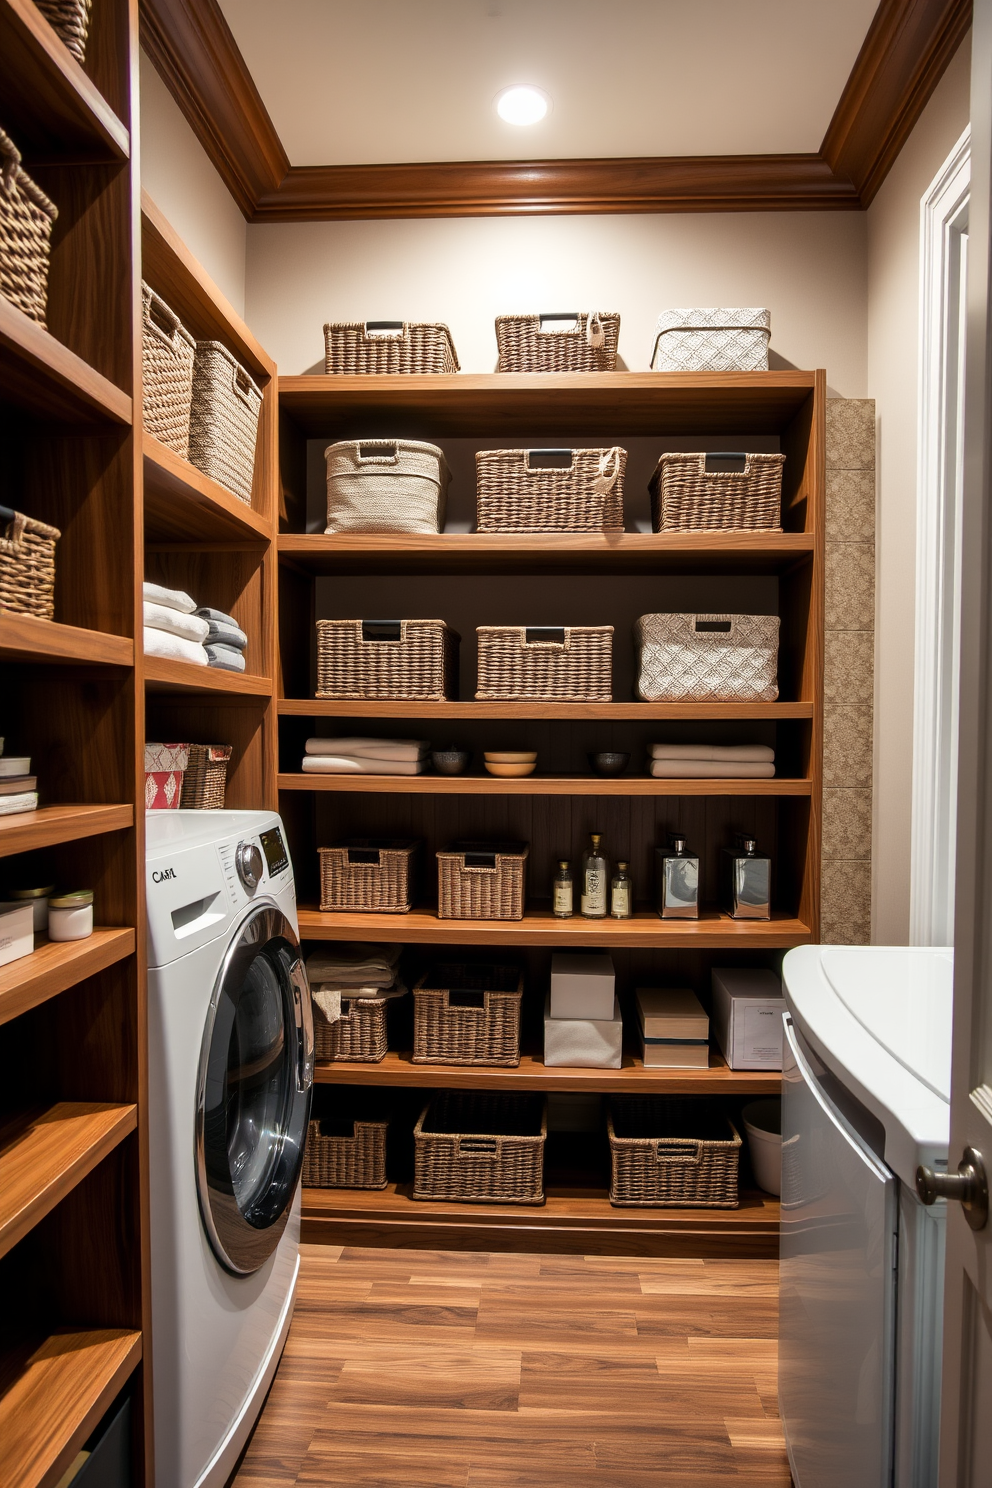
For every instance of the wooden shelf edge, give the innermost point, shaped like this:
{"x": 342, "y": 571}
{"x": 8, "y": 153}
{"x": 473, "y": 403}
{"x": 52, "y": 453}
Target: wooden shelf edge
{"x": 182, "y": 676}
{"x": 70, "y": 378}
{"x": 26, "y": 638}
{"x": 576, "y": 712}
{"x": 50, "y": 825}
{"x": 221, "y": 514}
{"x": 55, "y": 966}
{"x": 537, "y": 785}
{"x": 306, "y": 385}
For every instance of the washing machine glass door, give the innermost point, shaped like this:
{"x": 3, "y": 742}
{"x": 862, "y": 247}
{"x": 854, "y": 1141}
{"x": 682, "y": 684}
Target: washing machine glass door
{"x": 253, "y": 1092}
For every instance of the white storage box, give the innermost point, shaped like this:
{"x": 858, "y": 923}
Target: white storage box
{"x": 16, "y": 931}
{"x": 747, "y": 1017}
{"x": 583, "y": 1043}
{"x": 728, "y": 658}
{"x": 732, "y": 339}
{"x": 674, "y": 1028}
{"x": 385, "y": 485}
{"x": 583, "y": 985}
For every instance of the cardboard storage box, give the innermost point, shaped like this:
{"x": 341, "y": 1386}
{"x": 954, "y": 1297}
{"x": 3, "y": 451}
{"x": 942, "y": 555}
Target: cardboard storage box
{"x": 16, "y": 930}
{"x": 583, "y": 1043}
{"x": 747, "y": 1017}
{"x": 583, "y": 985}
{"x": 674, "y": 1028}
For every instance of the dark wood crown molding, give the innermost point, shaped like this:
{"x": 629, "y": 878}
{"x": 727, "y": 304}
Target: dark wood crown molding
{"x": 908, "y": 46}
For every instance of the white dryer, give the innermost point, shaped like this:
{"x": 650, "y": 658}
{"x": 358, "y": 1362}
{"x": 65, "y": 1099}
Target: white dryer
{"x": 230, "y": 1066}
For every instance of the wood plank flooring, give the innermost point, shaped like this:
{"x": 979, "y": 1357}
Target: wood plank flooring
{"x": 456, "y": 1369}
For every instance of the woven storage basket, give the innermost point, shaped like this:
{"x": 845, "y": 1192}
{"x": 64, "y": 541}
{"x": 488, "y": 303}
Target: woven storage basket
{"x": 482, "y": 881}
{"x": 400, "y": 660}
{"x": 468, "y": 1015}
{"x": 368, "y": 874}
{"x": 583, "y": 343}
{"x": 481, "y": 1147}
{"x": 205, "y": 780}
{"x": 568, "y": 663}
{"x": 223, "y": 426}
{"x": 333, "y": 1159}
{"x": 26, "y": 220}
{"x": 386, "y": 485}
{"x": 359, "y": 1034}
{"x": 27, "y": 564}
{"x": 581, "y": 492}
{"x": 167, "y": 355}
{"x": 388, "y": 346}
{"x": 671, "y": 1153}
{"x": 70, "y": 20}
{"x": 721, "y": 492}
{"x": 718, "y": 340}
{"x": 697, "y": 658}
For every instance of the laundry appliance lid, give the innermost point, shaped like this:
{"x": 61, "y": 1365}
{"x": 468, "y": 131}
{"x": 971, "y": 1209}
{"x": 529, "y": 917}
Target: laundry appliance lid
{"x": 169, "y": 831}
{"x": 880, "y": 1019}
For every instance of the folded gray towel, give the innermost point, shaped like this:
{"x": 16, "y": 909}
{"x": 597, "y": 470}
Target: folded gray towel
{"x": 206, "y": 613}
{"x": 226, "y": 635}
{"x": 225, "y": 657}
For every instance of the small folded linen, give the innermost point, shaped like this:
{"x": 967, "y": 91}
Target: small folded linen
{"x": 160, "y": 617}
{"x": 338, "y": 764}
{"x": 383, "y": 749}
{"x": 356, "y": 965}
{"x": 223, "y": 628}
{"x": 688, "y": 769}
{"x": 22, "y": 801}
{"x": 753, "y": 754}
{"x": 173, "y": 647}
{"x": 329, "y": 999}
{"x": 228, "y": 658}
{"x": 173, "y": 599}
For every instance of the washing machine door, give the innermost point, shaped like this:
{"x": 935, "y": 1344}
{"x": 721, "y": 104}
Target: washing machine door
{"x": 253, "y": 1091}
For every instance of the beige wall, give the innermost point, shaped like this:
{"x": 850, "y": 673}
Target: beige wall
{"x": 185, "y": 186}
{"x": 893, "y": 366}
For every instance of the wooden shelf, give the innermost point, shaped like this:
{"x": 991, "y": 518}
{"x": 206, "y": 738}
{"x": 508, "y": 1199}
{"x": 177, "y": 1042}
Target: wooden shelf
{"x": 53, "y": 824}
{"x": 50, "y": 104}
{"x": 538, "y": 785}
{"x": 570, "y": 1221}
{"x": 604, "y": 712}
{"x": 54, "y": 966}
{"x": 484, "y": 552}
{"x": 183, "y": 676}
{"x": 183, "y": 504}
{"x": 46, "y": 642}
{"x": 532, "y": 1074}
{"x": 56, "y": 1395}
{"x": 43, "y": 1155}
{"x": 40, "y": 375}
{"x": 711, "y": 931}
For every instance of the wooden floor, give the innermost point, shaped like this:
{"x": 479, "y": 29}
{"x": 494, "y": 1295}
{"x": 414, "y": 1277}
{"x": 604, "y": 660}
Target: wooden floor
{"x": 455, "y": 1369}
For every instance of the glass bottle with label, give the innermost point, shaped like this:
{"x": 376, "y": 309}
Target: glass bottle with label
{"x": 595, "y": 880}
{"x": 562, "y": 901}
{"x": 622, "y": 893}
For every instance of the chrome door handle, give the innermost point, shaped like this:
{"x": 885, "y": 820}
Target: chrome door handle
{"x": 969, "y": 1186}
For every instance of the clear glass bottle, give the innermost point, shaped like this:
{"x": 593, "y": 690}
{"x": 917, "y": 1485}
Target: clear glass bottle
{"x": 622, "y": 893}
{"x": 595, "y": 880}
{"x": 562, "y": 892}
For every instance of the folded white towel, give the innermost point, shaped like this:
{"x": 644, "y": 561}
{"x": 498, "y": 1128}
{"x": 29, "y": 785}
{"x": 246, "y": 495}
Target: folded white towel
{"x": 343, "y": 764}
{"x": 392, "y": 749}
{"x": 173, "y": 647}
{"x": 750, "y": 754}
{"x": 710, "y": 770}
{"x": 16, "y": 804}
{"x": 159, "y": 617}
{"x": 173, "y": 599}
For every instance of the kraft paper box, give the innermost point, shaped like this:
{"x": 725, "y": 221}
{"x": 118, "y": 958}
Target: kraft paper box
{"x": 16, "y": 930}
{"x": 583, "y": 1043}
{"x": 747, "y": 1017}
{"x": 674, "y": 1028}
{"x": 583, "y": 985}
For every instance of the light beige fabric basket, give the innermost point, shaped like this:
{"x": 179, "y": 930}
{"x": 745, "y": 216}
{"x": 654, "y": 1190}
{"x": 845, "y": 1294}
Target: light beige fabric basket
{"x": 27, "y": 564}
{"x": 70, "y": 19}
{"x": 26, "y": 220}
{"x": 374, "y": 346}
{"x": 568, "y": 490}
{"x": 393, "y": 660}
{"x": 386, "y": 485}
{"x": 698, "y": 658}
{"x": 223, "y": 425}
{"x": 573, "y": 341}
{"x": 481, "y": 1146}
{"x": 568, "y": 663}
{"x": 724, "y": 339}
{"x": 468, "y": 1015}
{"x": 167, "y": 354}
{"x": 717, "y": 492}
{"x": 482, "y": 881}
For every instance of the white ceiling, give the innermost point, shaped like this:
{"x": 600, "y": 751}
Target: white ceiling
{"x": 372, "y": 81}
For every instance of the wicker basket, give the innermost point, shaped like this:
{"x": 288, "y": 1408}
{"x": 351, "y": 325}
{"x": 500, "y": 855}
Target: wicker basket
{"x": 701, "y": 658}
{"x": 718, "y": 340}
{"x": 582, "y": 491}
{"x": 70, "y": 20}
{"x": 583, "y": 343}
{"x": 377, "y": 346}
{"x": 568, "y": 663}
{"x": 672, "y": 1153}
{"x": 360, "y": 1034}
{"x": 27, "y": 565}
{"x": 717, "y": 492}
{"x": 385, "y": 485}
{"x": 398, "y": 660}
{"x": 482, "y": 881}
{"x": 205, "y": 780}
{"x": 481, "y": 1147}
{"x": 468, "y": 1015}
{"x": 167, "y": 354}
{"x": 223, "y": 426}
{"x": 372, "y": 875}
{"x": 334, "y": 1159}
{"x": 26, "y": 220}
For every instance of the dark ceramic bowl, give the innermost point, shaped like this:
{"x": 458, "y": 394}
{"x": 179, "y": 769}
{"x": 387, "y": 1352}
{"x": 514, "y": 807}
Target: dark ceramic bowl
{"x": 608, "y": 762}
{"x": 451, "y": 761}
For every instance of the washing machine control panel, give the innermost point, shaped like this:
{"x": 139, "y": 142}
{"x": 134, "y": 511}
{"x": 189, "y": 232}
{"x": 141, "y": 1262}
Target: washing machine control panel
{"x": 248, "y": 861}
{"x": 254, "y": 863}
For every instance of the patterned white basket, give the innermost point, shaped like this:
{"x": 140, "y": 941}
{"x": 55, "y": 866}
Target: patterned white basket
{"x": 694, "y": 658}
{"x": 718, "y": 340}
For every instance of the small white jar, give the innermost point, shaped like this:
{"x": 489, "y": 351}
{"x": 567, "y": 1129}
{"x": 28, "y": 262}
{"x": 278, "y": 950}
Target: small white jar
{"x": 38, "y": 899}
{"x": 70, "y": 916}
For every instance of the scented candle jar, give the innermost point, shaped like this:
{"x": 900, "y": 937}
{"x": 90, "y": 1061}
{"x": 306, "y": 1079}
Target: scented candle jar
{"x": 70, "y": 916}
{"x": 38, "y": 899}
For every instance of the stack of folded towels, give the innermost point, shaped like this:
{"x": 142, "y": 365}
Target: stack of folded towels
{"x": 366, "y": 756}
{"x": 177, "y": 630}
{"x": 225, "y": 642}
{"x": 340, "y": 972}
{"x": 711, "y": 761}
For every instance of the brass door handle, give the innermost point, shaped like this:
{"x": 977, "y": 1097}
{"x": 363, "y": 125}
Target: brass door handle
{"x": 969, "y": 1186}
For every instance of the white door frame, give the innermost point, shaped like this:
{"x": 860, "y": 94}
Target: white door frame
{"x": 943, "y": 278}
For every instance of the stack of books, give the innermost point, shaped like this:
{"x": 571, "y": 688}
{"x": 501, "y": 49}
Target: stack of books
{"x": 18, "y": 787}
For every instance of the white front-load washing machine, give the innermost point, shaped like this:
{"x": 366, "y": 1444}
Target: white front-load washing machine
{"x": 230, "y": 1066}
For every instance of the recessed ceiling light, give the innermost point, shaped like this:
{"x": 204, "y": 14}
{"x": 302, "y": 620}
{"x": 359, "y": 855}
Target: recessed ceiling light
{"x": 522, "y": 104}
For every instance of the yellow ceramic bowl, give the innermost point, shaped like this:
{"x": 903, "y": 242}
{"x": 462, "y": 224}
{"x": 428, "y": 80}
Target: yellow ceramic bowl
{"x": 510, "y": 771}
{"x": 511, "y": 757}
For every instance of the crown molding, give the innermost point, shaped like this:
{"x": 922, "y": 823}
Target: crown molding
{"x": 908, "y": 46}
